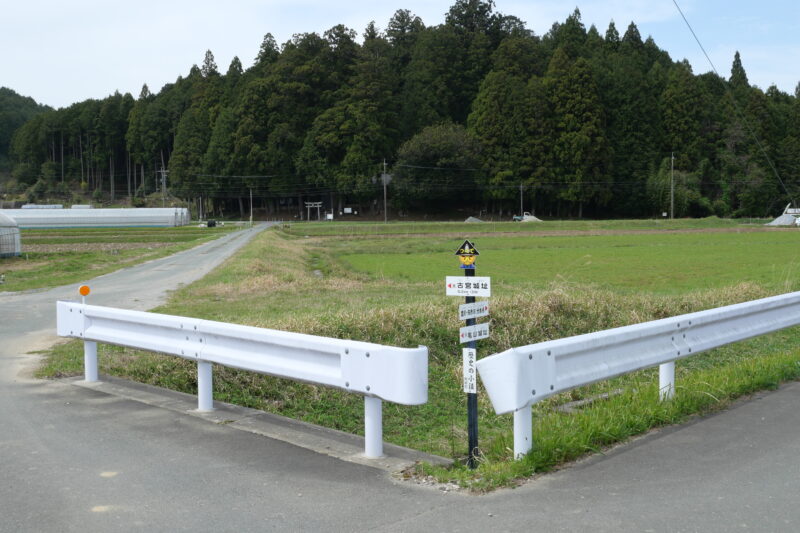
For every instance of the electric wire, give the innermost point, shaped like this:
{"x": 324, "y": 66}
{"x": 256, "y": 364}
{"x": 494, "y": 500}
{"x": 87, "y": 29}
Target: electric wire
{"x": 739, "y": 113}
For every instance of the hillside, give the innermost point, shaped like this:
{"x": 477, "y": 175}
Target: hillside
{"x": 15, "y": 110}
{"x": 476, "y": 113}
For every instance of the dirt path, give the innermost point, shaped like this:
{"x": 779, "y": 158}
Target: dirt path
{"x": 565, "y": 233}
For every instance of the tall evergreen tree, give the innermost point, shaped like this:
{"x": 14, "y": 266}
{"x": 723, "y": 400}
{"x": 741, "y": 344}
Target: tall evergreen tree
{"x": 580, "y": 142}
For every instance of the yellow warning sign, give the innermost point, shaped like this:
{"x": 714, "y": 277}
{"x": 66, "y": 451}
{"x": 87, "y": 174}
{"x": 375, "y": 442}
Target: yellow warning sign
{"x": 467, "y": 249}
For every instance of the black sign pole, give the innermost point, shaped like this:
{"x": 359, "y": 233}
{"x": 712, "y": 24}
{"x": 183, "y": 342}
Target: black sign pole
{"x": 472, "y": 397}
{"x": 467, "y": 253}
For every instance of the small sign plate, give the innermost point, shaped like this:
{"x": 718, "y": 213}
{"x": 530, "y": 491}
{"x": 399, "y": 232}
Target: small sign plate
{"x": 468, "y": 286}
{"x": 474, "y": 333}
{"x": 473, "y": 310}
{"x": 470, "y": 383}
{"x": 467, "y": 248}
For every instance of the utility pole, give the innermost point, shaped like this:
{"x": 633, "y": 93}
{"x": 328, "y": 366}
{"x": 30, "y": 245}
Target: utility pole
{"x": 163, "y": 185}
{"x": 520, "y": 200}
{"x": 383, "y": 179}
{"x": 672, "y": 186}
{"x": 251, "y": 207}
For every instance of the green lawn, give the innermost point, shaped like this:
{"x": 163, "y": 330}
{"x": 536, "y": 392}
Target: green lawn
{"x": 658, "y": 263}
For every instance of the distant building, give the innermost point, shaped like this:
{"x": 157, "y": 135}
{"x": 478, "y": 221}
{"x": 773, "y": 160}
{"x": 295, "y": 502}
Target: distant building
{"x": 9, "y": 237}
{"x": 99, "y": 218}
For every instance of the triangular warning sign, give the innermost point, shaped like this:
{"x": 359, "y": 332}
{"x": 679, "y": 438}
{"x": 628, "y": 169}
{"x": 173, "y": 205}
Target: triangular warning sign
{"x": 467, "y": 249}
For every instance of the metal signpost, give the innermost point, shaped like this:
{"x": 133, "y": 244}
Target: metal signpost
{"x": 470, "y": 286}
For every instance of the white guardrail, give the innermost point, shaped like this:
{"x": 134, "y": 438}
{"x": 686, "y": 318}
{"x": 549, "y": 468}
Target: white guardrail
{"x": 377, "y": 372}
{"x": 519, "y": 377}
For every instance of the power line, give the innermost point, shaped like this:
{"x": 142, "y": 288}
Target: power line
{"x": 739, "y": 113}
{"x": 238, "y": 177}
{"x": 439, "y": 168}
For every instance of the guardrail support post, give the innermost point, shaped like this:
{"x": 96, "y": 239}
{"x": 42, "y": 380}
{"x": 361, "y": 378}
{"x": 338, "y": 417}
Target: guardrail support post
{"x": 666, "y": 381}
{"x": 90, "y": 361}
{"x": 205, "y": 393}
{"x": 523, "y": 431}
{"x": 373, "y": 427}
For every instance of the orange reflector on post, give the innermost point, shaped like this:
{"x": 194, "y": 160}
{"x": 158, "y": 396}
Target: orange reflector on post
{"x": 84, "y": 290}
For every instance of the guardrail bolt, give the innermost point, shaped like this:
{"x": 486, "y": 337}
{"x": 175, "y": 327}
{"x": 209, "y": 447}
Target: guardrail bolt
{"x": 533, "y": 392}
{"x": 549, "y": 353}
{"x": 367, "y": 354}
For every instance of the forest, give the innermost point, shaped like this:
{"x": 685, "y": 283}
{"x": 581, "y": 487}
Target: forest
{"x": 477, "y": 113}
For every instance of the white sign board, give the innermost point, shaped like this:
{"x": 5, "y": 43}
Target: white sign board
{"x": 474, "y": 333}
{"x": 470, "y": 383}
{"x": 473, "y": 310}
{"x": 468, "y": 286}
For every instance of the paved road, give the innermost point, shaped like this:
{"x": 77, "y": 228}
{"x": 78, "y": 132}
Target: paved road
{"x": 75, "y": 459}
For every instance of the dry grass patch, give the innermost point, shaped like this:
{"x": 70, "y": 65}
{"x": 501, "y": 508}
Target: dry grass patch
{"x": 19, "y": 264}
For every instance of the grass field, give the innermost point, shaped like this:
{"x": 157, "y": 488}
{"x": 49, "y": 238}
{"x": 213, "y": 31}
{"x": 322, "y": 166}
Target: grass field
{"x": 658, "y": 263}
{"x": 52, "y": 257}
{"x": 353, "y": 229}
{"x": 388, "y": 288}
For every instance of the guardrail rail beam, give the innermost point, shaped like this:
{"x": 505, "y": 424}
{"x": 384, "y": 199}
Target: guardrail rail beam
{"x": 377, "y": 372}
{"x": 519, "y": 377}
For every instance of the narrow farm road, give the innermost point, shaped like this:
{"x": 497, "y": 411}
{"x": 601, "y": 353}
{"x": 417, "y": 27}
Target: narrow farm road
{"x": 75, "y": 459}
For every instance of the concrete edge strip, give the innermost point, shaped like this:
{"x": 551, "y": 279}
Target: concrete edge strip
{"x": 326, "y": 441}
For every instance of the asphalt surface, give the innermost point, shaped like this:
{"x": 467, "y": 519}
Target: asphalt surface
{"x": 77, "y": 459}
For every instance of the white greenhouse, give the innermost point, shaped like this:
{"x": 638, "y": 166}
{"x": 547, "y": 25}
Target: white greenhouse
{"x": 99, "y": 218}
{"x": 9, "y": 237}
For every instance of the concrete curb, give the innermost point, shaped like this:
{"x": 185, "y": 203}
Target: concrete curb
{"x": 338, "y": 444}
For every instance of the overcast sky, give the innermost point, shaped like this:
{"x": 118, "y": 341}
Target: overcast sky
{"x": 61, "y": 52}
